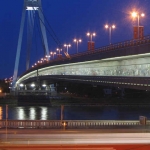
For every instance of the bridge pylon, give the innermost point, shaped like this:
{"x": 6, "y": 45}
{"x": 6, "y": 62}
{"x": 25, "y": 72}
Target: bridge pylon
{"x": 30, "y": 6}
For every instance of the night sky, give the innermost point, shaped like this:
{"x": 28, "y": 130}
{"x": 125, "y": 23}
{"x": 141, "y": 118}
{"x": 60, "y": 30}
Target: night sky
{"x": 69, "y": 19}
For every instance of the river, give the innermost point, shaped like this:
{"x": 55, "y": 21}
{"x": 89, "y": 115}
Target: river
{"x": 76, "y": 112}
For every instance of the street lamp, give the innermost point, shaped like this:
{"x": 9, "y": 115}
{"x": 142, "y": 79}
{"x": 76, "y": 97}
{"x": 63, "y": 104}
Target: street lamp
{"x": 53, "y": 53}
{"x": 59, "y": 50}
{"x": 32, "y": 85}
{"x": 46, "y": 58}
{"x": 77, "y": 41}
{"x": 67, "y": 45}
{"x": 91, "y": 35}
{"x": 110, "y": 29}
{"x": 134, "y": 15}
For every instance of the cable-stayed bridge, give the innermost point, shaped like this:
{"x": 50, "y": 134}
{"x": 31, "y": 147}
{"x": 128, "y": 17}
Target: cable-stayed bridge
{"x": 125, "y": 64}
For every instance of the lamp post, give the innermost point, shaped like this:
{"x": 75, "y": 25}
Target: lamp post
{"x": 134, "y": 15}
{"x": 77, "y": 41}
{"x": 47, "y": 57}
{"x": 67, "y": 45}
{"x": 6, "y": 119}
{"x": 53, "y": 53}
{"x": 91, "y": 35}
{"x": 110, "y": 30}
{"x": 59, "y": 50}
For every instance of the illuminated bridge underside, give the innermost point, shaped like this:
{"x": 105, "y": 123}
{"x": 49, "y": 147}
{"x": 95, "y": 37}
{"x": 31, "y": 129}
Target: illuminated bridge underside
{"x": 127, "y": 71}
{"x": 124, "y": 64}
{"x": 140, "y": 83}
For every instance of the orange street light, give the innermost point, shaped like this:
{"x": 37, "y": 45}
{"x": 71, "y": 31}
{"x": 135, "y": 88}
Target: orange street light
{"x": 134, "y": 15}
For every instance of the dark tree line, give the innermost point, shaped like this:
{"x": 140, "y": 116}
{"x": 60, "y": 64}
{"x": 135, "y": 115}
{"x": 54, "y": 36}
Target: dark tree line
{"x": 4, "y": 86}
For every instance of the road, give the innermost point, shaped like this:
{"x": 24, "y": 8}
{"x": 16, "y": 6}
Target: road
{"x": 44, "y": 139}
{"x": 78, "y": 147}
{"x": 86, "y": 136}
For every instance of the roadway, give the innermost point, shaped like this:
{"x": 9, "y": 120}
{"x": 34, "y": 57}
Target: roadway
{"x": 78, "y": 147}
{"x": 73, "y": 137}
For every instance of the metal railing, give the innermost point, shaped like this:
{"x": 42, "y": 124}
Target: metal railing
{"x": 70, "y": 124}
{"x": 116, "y": 46}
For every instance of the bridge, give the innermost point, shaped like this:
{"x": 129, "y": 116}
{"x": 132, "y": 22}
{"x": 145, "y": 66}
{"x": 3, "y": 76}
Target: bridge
{"x": 125, "y": 64}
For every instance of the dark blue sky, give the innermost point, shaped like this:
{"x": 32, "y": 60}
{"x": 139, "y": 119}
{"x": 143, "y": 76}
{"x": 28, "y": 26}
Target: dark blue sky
{"x": 69, "y": 19}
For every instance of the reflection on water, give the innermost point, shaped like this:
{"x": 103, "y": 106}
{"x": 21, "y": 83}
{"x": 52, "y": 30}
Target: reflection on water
{"x": 44, "y": 115}
{"x": 1, "y": 113}
{"x": 21, "y": 113}
{"x": 75, "y": 112}
{"x": 32, "y": 113}
{"x": 25, "y": 113}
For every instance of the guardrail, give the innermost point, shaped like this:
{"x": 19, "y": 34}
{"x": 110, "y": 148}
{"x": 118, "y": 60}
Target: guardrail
{"x": 115, "y": 46}
{"x": 69, "y": 124}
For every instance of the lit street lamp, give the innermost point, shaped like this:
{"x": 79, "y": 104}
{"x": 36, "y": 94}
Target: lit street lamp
{"x": 77, "y": 41}
{"x": 91, "y": 35}
{"x": 134, "y": 15}
{"x": 59, "y": 50}
{"x": 53, "y": 53}
{"x": 47, "y": 56}
{"x": 110, "y": 29}
{"x": 67, "y": 45}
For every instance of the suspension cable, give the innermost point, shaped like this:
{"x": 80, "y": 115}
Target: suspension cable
{"x": 59, "y": 43}
{"x": 55, "y": 38}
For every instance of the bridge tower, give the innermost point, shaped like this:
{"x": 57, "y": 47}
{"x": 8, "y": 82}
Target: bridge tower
{"x": 30, "y": 6}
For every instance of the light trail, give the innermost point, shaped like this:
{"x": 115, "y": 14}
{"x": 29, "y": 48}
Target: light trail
{"x": 78, "y": 138}
{"x": 77, "y": 147}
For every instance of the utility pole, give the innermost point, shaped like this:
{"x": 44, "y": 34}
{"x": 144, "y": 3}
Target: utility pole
{"x": 6, "y": 119}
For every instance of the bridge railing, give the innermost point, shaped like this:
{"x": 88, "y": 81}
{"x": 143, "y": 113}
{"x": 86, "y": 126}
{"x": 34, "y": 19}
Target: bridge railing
{"x": 115, "y": 46}
{"x": 70, "y": 124}
{"x": 120, "y": 45}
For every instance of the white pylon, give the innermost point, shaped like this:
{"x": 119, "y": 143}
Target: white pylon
{"x": 29, "y": 5}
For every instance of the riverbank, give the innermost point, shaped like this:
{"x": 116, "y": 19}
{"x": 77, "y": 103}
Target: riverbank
{"x": 8, "y": 99}
{"x": 71, "y": 100}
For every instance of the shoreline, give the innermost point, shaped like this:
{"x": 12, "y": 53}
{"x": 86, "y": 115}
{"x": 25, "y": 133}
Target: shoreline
{"x": 76, "y": 101}
{"x": 67, "y": 99}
